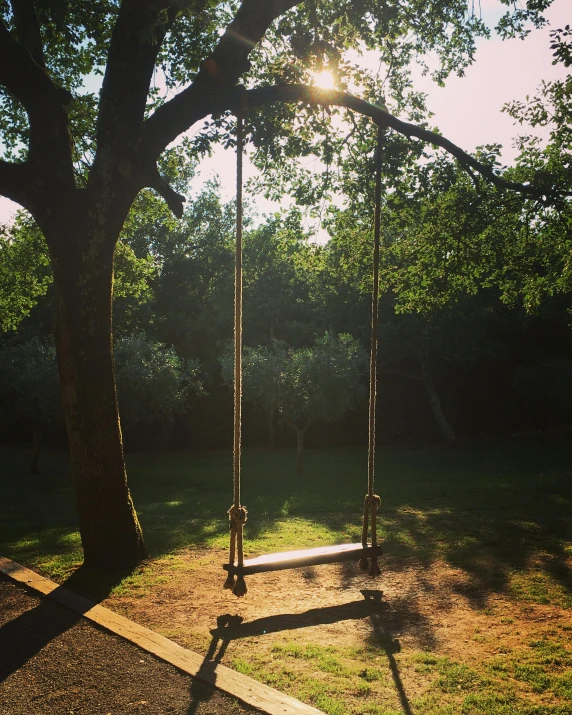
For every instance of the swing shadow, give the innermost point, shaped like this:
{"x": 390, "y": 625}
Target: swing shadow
{"x": 231, "y": 627}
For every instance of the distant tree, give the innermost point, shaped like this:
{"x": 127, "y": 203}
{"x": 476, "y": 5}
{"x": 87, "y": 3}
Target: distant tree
{"x": 316, "y": 384}
{"x": 194, "y": 285}
{"x": 25, "y": 272}
{"x": 29, "y": 389}
{"x": 279, "y": 264}
{"x": 153, "y": 382}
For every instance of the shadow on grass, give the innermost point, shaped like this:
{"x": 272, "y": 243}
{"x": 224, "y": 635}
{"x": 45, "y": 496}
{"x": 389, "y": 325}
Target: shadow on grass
{"x": 487, "y": 510}
{"x": 384, "y": 622}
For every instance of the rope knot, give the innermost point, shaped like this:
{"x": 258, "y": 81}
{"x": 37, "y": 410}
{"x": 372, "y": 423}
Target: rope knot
{"x": 237, "y": 515}
{"x": 373, "y": 500}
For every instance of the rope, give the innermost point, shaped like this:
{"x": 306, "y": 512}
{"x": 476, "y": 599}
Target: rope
{"x": 238, "y": 318}
{"x": 372, "y": 501}
{"x": 237, "y": 514}
{"x": 374, "y": 318}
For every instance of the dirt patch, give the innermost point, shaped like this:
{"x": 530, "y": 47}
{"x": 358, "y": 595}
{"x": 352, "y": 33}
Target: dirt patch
{"x": 411, "y": 609}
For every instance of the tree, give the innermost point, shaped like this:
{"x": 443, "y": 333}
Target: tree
{"x": 304, "y": 386}
{"x": 194, "y": 286}
{"x": 76, "y": 160}
{"x": 29, "y": 389}
{"x": 153, "y": 382}
{"x": 279, "y": 264}
{"x": 24, "y": 271}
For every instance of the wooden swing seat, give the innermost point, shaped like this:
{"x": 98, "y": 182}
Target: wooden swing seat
{"x": 302, "y": 558}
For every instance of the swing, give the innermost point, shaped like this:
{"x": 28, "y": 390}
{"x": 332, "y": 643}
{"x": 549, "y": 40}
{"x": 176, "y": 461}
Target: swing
{"x": 366, "y": 551}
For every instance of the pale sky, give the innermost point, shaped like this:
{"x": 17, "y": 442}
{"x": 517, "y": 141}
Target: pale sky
{"x": 467, "y": 110}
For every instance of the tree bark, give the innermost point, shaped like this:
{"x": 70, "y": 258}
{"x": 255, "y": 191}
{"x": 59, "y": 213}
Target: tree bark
{"x": 444, "y": 426}
{"x": 83, "y": 277}
{"x": 37, "y": 445}
{"x": 300, "y": 434}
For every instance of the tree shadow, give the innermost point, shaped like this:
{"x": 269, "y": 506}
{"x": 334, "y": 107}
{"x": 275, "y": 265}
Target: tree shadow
{"x": 487, "y": 511}
{"x": 384, "y": 621}
{"x": 24, "y": 636}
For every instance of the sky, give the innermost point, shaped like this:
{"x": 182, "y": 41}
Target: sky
{"x": 467, "y": 110}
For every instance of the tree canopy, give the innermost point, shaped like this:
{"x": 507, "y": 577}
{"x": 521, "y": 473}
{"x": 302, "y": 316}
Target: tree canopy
{"x": 319, "y": 383}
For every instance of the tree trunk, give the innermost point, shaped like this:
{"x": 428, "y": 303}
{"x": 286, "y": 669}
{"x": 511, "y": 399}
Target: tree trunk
{"x": 83, "y": 276}
{"x": 444, "y": 426}
{"x": 300, "y": 434}
{"x": 37, "y": 445}
{"x": 271, "y": 430}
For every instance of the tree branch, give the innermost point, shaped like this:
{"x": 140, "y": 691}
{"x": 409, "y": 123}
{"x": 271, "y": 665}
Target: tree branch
{"x": 46, "y": 106}
{"x": 229, "y": 60}
{"x": 135, "y": 43}
{"x": 174, "y": 200}
{"x": 28, "y": 29}
{"x": 313, "y": 95}
{"x": 23, "y": 76}
{"x": 219, "y": 72}
{"x": 14, "y": 182}
{"x": 237, "y": 98}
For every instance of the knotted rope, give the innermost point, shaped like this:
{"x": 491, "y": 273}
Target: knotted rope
{"x": 237, "y": 513}
{"x": 372, "y": 501}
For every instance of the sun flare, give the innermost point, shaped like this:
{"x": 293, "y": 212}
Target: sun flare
{"x": 324, "y": 80}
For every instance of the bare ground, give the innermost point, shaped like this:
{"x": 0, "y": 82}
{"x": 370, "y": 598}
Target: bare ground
{"x": 53, "y": 662}
{"x": 412, "y": 607}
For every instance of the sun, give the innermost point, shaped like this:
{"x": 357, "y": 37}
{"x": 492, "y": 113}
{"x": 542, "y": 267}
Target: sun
{"x": 324, "y": 80}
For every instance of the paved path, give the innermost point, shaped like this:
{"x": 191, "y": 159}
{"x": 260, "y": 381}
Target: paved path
{"x": 53, "y": 662}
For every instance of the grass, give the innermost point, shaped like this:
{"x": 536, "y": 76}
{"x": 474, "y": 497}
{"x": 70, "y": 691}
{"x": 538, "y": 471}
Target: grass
{"x": 500, "y": 512}
{"x": 489, "y": 510}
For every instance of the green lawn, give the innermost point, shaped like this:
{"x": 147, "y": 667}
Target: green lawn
{"x": 501, "y": 512}
{"x": 488, "y": 509}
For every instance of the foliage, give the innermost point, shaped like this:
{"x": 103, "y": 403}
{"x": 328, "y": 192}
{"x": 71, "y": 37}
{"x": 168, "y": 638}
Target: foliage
{"x": 314, "y": 384}
{"x": 305, "y": 38}
{"x": 29, "y": 384}
{"x": 153, "y": 383}
{"x": 26, "y": 275}
{"x": 280, "y": 270}
{"x": 24, "y": 271}
{"x": 132, "y": 291}
{"x": 193, "y": 288}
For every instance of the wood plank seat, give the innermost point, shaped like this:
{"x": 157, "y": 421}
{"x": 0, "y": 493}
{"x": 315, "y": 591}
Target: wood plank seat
{"x": 301, "y": 558}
